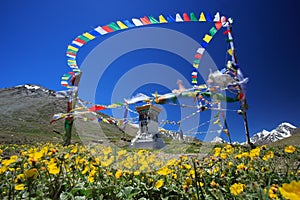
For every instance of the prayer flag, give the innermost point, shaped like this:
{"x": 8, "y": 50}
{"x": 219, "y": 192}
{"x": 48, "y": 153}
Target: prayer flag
{"x": 162, "y": 19}
{"x": 202, "y": 17}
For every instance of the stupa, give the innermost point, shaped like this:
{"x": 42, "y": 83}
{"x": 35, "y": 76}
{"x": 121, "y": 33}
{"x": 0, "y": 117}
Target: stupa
{"x": 148, "y": 136}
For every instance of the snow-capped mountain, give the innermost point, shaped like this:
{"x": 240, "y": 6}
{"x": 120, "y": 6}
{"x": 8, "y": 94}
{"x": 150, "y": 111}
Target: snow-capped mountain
{"x": 218, "y": 139}
{"x": 284, "y": 130}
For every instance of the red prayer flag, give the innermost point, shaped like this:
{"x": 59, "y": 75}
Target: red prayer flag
{"x": 198, "y": 56}
{"x": 226, "y": 32}
{"x": 107, "y": 29}
{"x": 145, "y": 20}
{"x": 186, "y": 18}
{"x": 96, "y": 108}
{"x": 80, "y": 41}
{"x": 218, "y": 25}
{"x": 70, "y": 53}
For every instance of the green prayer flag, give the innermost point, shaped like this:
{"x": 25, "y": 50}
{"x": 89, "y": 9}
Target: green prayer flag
{"x": 196, "y": 61}
{"x": 228, "y": 40}
{"x": 213, "y": 31}
{"x": 193, "y": 17}
{"x": 153, "y": 20}
{"x": 83, "y": 38}
{"x": 71, "y": 51}
{"x": 114, "y": 26}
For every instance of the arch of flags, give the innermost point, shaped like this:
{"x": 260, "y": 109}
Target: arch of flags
{"x": 70, "y": 80}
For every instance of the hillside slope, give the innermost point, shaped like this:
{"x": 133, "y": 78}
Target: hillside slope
{"x": 26, "y": 111}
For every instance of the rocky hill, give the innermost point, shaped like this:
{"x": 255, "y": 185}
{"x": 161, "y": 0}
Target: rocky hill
{"x": 26, "y": 112}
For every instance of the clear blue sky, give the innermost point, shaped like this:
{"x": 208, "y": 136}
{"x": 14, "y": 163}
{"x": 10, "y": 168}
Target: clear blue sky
{"x": 35, "y": 36}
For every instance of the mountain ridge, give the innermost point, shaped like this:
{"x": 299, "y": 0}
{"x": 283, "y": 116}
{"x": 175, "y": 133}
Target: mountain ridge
{"x": 282, "y": 131}
{"x": 29, "y": 108}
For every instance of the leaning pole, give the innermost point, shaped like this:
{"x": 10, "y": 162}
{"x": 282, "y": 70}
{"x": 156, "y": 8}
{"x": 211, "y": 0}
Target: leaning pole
{"x": 243, "y": 101}
{"x": 70, "y": 107}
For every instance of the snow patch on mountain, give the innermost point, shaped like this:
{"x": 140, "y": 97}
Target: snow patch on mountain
{"x": 218, "y": 139}
{"x": 282, "y": 131}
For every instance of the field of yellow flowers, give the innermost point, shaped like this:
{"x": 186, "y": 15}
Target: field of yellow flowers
{"x": 51, "y": 171}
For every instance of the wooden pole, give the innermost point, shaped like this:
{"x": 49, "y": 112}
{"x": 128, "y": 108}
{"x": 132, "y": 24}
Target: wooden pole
{"x": 243, "y": 102}
{"x": 71, "y": 105}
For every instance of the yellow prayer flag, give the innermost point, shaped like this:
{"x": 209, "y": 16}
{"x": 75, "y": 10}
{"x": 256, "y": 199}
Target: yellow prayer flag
{"x": 207, "y": 38}
{"x": 202, "y": 17}
{"x": 217, "y": 121}
{"x": 121, "y": 25}
{"x": 229, "y": 52}
{"x": 72, "y": 48}
{"x": 203, "y": 86}
{"x": 195, "y": 65}
{"x": 71, "y": 61}
{"x": 162, "y": 19}
{"x": 89, "y": 36}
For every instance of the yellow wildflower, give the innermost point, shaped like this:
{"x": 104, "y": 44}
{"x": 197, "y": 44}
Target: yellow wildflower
{"x": 20, "y": 187}
{"x": 290, "y": 190}
{"x": 20, "y": 177}
{"x": 91, "y": 176}
{"x": 230, "y": 164}
{"x": 53, "y": 169}
{"x": 213, "y": 184}
{"x": 187, "y": 166}
{"x": 223, "y": 155}
{"x": 118, "y": 174}
{"x": 183, "y": 157}
{"x": 241, "y": 166}
{"x": 171, "y": 162}
{"x": 67, "y": 156}
{"x": 108, "y": 173}
{"x": 290, "y": 149}
{"x": 263, "y": 147}
{"x": 136, "y": 173}
{"x": 141, "y": 152}
{"x": 229, "y": 149}
{"x": 174, "y": 176}
{"x": 269, "y": 155}
{"x": 238, "y": 156}
{"x": 108, "y": 162}
{"x": 272, "y": 193}
{"x": 245, "y": 154}
{"x": 164, "y": 171}
{"x": 185, "y": 188}
{"x": 216, "y": 169}
{"x": 36, "y": 156}
{"x": 192, "y": 173}
{"x": 31, "y": 173}
{"x": 11, "y": 160}
{"x": 237, "y": 188}
{"x": 86, "y": 169}
{"x": 107, "y": 150}
{"x": 254, "y": 152}
{"x": 188, "y": 181}
{"x": 122, "y": 152}
{"x": 159, "y": 183}
{"x": 200, "y": 184}
{"x": 217, "y": 151}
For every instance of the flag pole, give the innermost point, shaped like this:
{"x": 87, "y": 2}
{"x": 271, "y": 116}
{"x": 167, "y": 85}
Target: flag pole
{"x": 71, "y": 105}
{"x": 243, "y": 101}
